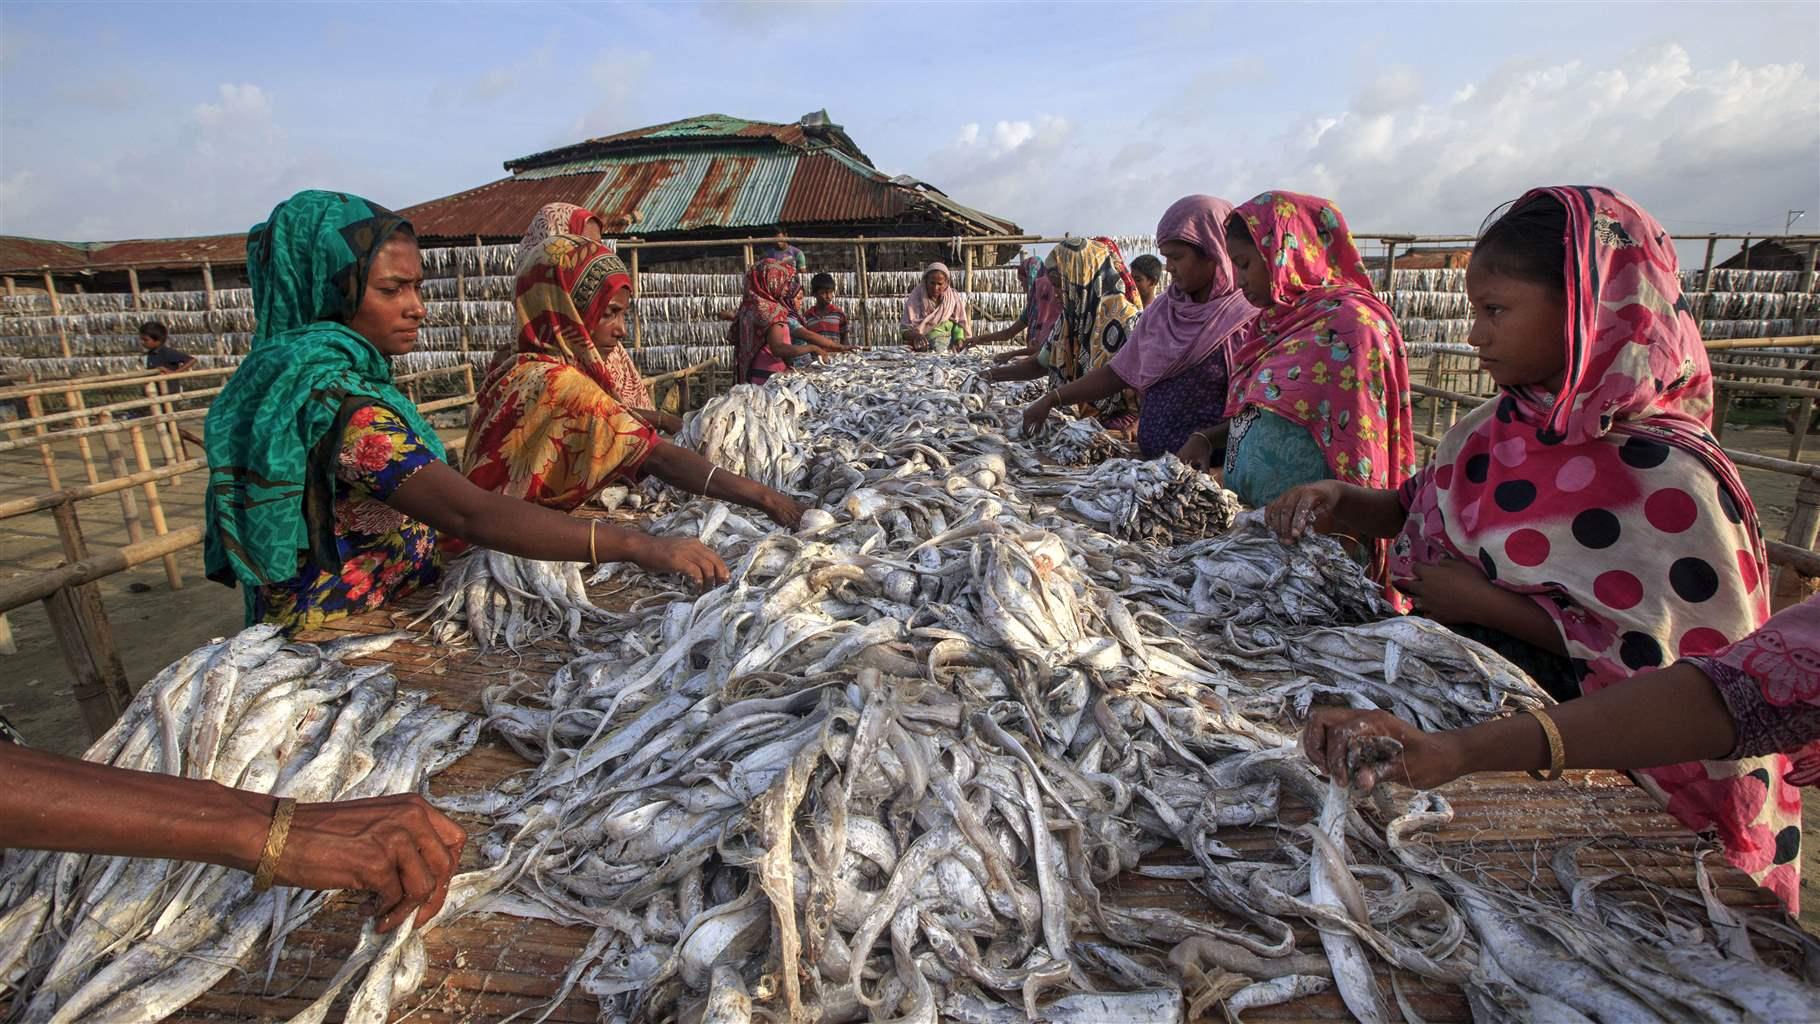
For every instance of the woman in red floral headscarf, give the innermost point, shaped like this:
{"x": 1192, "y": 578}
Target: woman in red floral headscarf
{"x": 1584, "y": 523}
{"x": 760, "y": 331}
{"x": 546, "y": 425}
{"x": 1320, "y": 383}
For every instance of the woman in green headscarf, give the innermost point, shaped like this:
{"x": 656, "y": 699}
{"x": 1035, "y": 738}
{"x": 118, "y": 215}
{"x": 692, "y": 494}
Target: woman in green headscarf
{"x": 326, "y": 486}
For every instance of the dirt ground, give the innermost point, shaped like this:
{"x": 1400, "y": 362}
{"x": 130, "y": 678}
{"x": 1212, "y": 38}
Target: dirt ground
{"x": 154, "y": 625}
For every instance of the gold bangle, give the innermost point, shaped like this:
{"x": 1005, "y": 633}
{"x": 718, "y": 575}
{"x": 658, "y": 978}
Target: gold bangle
{"x": 593, "y": 554}
{"x": 1557, "y": 753}
{"x": 274, "y": 844}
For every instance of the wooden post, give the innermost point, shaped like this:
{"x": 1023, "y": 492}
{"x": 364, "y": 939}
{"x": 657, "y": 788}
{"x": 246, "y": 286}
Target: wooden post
{"x": 638, "y": 318}
{"x": 745, "y": 252}
{"x": 1722, "y": 407}
{"x": 86, "y": 637}
{"x": 132, "y": 283}
{"x": 82, "y": 443}
{"x": 7, "y": 644}
{"x": 36, "y": 409}
{"x": 467, "y": 379}
{"x": 143, "y": 460}
{"x": 865, "y": 294}
{"x": 1745, "y": 252}
{"x": 1803, "y": 527}
{"x": 166, "y": 446}
{"x": 461, "y": 296}
{"x": 12, "y": 287}
{"x": 1390, "y": 271}
{"x": 208, "y": 316}
{"x": 1434, "y": 403}
{"x": 967, "y": 279}
{"x": 116, "y": 460}
{"x": 1706, "y": 279}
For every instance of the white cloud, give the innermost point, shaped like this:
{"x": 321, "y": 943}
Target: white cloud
{"x": 1708, "y": 143}
{"x": 617, "y": 77}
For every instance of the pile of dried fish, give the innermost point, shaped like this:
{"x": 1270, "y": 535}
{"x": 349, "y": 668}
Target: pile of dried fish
{"x": 889, "y": 769}
{"x": 1161, "y": 500}
{"x": 87, "y": 938}
{"x": 499, "y": 600}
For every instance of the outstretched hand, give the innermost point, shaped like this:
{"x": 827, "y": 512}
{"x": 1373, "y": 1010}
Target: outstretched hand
{"x": 398, "y": 848}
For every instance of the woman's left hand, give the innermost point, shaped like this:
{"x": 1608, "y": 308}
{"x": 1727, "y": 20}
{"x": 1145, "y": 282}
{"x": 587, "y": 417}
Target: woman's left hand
{"x": 784, "y": 510}
{"x": 1037, "y": 413}
{"x": 1448, "y": 591}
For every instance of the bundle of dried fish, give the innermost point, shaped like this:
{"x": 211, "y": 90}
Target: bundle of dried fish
{"x": 498, "y": 600}
{"x": 1246, "y": 577}
{"x": 753, "y": 431}
{"x": 1161, "y": 500}
{"x": 1080, "y": 442}
{"x": 111, "y": 938}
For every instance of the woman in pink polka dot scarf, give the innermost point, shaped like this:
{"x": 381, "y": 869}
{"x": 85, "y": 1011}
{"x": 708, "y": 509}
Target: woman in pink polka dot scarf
{"x": 1584, "y": 522}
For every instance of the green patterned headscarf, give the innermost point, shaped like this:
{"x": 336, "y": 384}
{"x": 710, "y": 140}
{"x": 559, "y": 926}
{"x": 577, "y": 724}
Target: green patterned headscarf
{"x": 271, "y": 432}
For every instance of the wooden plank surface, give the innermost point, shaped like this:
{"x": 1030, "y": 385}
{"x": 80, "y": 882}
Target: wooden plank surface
{"x": 487, "y": 967}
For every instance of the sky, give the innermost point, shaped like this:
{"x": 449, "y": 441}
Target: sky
{"x": 156, "y": 120}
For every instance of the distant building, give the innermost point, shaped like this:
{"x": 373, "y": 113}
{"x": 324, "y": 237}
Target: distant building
{"x": 708, "y": 177}
{"x": 1768, "y": 254}
{"x": 1434, "y": 258}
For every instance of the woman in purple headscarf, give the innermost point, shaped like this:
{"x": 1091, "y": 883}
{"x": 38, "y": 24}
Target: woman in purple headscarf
{"x": 1178, "y": 355}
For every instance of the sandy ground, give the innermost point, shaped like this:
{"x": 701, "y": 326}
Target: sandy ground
{"x": 154, "y": 625}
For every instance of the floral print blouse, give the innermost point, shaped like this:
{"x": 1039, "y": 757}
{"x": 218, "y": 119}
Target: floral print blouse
{"x": 384, "y": 553}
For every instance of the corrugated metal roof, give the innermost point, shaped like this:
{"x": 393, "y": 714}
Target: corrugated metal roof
{"x": 501, "y": 209}
{"x": 22, "y": 255}
{"x": 827, "y": 188}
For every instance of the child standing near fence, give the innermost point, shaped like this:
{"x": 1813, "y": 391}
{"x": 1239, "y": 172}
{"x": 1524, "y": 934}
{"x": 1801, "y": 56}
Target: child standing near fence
{"x": 824, "y": 317}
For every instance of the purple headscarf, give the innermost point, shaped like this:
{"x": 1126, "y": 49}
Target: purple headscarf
{"x": 1176, "y": 332}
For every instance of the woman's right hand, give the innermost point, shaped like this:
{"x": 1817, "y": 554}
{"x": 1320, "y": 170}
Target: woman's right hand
{"x": 1197, "y": 452}
{"x": 1036, "y": 414}
{"x": 1427, "y": 759}
{"x": 686, "y": 557}
{"x": 398, "y": 848}
{"x": 1304, "y": 507}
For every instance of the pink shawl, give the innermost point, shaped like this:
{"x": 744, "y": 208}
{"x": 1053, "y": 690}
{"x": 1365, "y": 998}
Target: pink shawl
{"x": 1613, "y": 508}
{"x": 1177, "y": 333}
{"x": 921, "y": 314}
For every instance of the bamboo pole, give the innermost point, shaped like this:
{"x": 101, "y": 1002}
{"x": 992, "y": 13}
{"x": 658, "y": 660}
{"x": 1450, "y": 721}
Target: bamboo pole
{"x": 82, "y": 443}
{"x": 169, "y": 442}
{"x": 116, "y": 459}
{"x": 85, "y": 636}
{"x": 83, "y": 492}
{"x": 72, "y": 397}
{"x": 142, "y": 459}
{"x": 63, "y": 338}
{"x": 461, "y": 296}
{"x": 32, "y": 405}
{"x": 22, "y": 590}
{"x": 12, "y": 287}
{"x": 638, "y": 318}
{"x": 83, "y": 413}
{"x": 132, "y": 284}
{"x": 1390, "y": 270}
{"x": 1803, "y": 528}
{"x": 208, "y": 291}
{"x": 1706, "y": 279}
{"x": 865, "y": 294}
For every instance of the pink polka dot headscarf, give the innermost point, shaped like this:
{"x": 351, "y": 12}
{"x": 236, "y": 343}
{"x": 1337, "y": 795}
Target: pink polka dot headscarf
{"x": 1612, "y": 506}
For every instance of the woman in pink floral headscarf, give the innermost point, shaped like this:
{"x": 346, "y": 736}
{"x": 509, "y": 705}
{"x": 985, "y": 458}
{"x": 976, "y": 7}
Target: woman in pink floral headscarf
{"x": 1584, "y": 522}
{"x": 1320, "y": 383}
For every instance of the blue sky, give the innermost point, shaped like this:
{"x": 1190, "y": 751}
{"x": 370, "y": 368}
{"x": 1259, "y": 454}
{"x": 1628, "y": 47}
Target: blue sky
{"x": 149, "y": 120}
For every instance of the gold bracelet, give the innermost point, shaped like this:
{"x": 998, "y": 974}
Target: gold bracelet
{"x": 593, "y": 554}
{"x": 274, "y": 844}
{"x": 1557, "y": 753}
